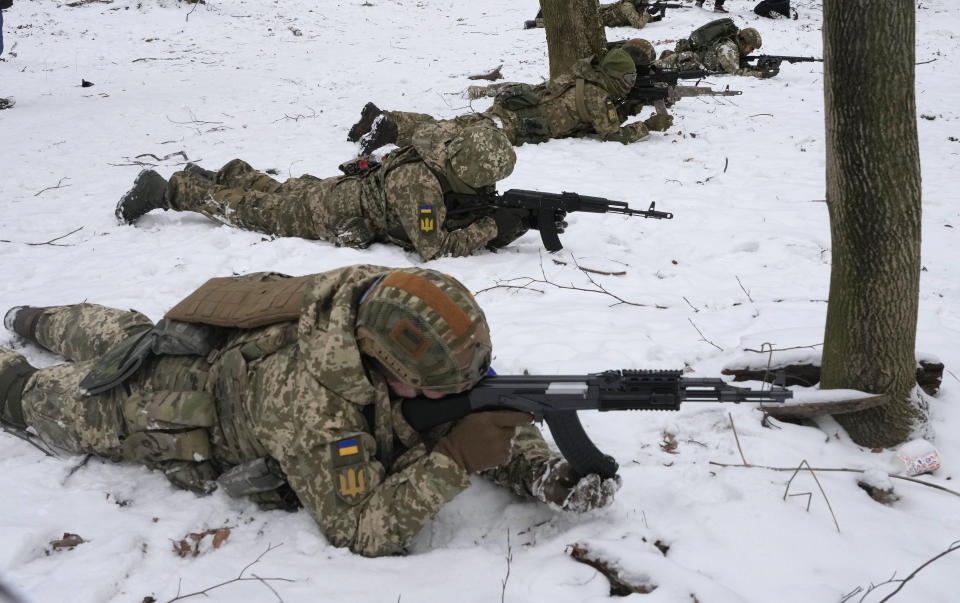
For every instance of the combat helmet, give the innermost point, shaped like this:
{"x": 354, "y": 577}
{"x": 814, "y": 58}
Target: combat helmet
{"x": 480, "y": 156}
{"x": 641, "y": 51}
{"x": 618, "y": 70}
{"x": 425, "y": 329}
{"x": 750, "y": 37}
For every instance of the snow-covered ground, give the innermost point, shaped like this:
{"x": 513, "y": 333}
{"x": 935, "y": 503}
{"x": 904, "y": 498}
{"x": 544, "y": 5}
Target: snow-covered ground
{"x": 744, "y": 262}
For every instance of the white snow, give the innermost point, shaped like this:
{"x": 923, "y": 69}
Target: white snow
{"x": 746, "y": 261}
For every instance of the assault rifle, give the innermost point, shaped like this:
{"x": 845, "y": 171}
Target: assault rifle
{"x": 772, "y": 61}
{"x": 662, "y": 95}
{"x": 546, "y": 209}
{"x": 556, "y": 399}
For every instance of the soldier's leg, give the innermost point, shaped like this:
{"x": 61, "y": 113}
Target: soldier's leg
{"x": 86, "y": 331}
{"x": 53, "y": 406}
{"x": 248, "y": 199}
{"x": 14, "y": 373}
{"x": 408, "y": 123}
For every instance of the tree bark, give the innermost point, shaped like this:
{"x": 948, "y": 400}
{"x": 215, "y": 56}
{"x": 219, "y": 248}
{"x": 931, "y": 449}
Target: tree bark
{"x": 873, "y": 198}
{"x": 573, "y": 32}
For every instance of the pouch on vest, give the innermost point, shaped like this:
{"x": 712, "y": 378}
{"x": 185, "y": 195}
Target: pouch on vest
{"x": 258, "y": 475}
{"x": 532, "y": 130}
{"x": 235, "y": 302}
{"x": 719, "y": 29}
{"x": 125, "y": 359}
{"x": 517, "y": 97}
{"x": 168, "y": 426}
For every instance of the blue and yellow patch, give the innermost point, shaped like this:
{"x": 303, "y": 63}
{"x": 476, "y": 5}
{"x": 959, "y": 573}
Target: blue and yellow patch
{"x": 427, "y": 221}
{"x": 347, "y": 447}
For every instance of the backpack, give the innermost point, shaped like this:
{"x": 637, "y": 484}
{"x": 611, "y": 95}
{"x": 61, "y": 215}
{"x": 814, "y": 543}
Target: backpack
{"x": 766, "y": 7}
{"x": 714, "y": 31}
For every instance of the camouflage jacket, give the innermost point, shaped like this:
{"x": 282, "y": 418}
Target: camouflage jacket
{"x": 721, "y": 57}
{"x": 303, "y": 405}
{"x": 414, "y": 194}
{"x": 577, "y": 104}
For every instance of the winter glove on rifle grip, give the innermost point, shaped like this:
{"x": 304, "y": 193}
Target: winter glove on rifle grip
{"x": 512, "y": 223}
{"x": 482, "y": 440}
{"x": 658, "y": 122}
{"x": 556, "y": 483}
{"x": 765, "y": 70}
{"x": 559, "y": 224}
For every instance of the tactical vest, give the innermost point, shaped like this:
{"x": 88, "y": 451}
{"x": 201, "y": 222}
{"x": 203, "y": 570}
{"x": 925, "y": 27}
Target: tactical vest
{"x": 523, "y": 101}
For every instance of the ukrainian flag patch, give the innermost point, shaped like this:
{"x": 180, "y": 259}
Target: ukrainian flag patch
{"x": 427, "y": 222}
{"x": 348, "y": 447}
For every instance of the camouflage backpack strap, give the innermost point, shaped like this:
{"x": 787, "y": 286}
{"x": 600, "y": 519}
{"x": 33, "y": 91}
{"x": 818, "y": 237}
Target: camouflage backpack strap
{"x": 579, "y": 100}
{"x": 232, "y": 302}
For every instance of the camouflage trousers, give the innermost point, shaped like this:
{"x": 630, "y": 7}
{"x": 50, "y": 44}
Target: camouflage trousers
{"x": 119, "y": 424}
{"x": 331, "y": 209}
{"x": 409, "y": 122}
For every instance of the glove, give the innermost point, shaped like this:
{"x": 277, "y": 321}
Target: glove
{"x": 558, "y": 484}
{"x": 658, "y": 122}
{"x": 481, "y": 440}
{"x": 558, "y": 221}
{"x": 766, "y": 69}
{"x": 511, "y": 225}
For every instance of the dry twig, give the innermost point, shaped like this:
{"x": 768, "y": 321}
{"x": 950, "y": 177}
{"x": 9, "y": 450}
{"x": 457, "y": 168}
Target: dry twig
{"x": 598, "y": 288}
{"x": 59, "y": 184}
{"x": 789, "y": 481}
{"x": 703, "y": 337}
{"x": 618, "y": 586}
{"x": 843, "y": 469}
{"x": 737, "y": 438}
{"x": 490, "y": 75}
{"x": 240, "y": 578}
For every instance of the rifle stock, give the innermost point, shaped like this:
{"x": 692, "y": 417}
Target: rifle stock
{"x": 556, "y": 399}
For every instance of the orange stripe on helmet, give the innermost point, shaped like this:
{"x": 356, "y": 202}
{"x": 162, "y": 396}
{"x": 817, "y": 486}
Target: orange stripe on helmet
{"x": 439, "y": 301}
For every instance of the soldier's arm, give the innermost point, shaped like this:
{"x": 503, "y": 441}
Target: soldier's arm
{"x": 415, "y": 194}
{"x": 633, "y": 17}
{"x": 728, "y": 56}
{"x": 605, "y": 120}
{"x": 331, "y": 464}
{"x": 528, "y": 453}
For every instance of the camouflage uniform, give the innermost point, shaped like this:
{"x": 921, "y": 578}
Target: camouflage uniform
{"x": 623, "y": 14}
{"x": 295, "y": 391}
{"x": 400, "y": 201}
{"x": 722, "y": 56}
{"x": 579, "y": 103}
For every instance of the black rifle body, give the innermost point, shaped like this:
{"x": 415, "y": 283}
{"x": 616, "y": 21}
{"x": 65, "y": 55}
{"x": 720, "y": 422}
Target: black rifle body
{"x": 556, "y": 399}
{"x": 545, "y": 208}
{"x": 766, "y": 61}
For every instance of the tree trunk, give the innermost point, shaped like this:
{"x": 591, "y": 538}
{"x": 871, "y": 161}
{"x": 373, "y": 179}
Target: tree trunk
{"x": 873, "y": 197}
{"x": 573, "y": 32}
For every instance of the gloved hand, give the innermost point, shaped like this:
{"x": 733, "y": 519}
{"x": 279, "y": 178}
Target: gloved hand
{"x": 558, "y": 484}
{"x": 659, "y": 122}
{"x": 558, "y": 221}
{"x": 481, "y": 440}
{"x": 767, "y": 70}
{"x": 511, "y": 225}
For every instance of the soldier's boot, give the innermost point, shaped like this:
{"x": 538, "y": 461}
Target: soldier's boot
{"x": 148, "y": 193}
{"x": 196, "y": 170}
{"x": 369, "y": 113}
{"x": 23, "y": 320}
{"x": 384, "y": 131}
{"x": 14, "y": 373}
{"x": 718, "y": 7}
